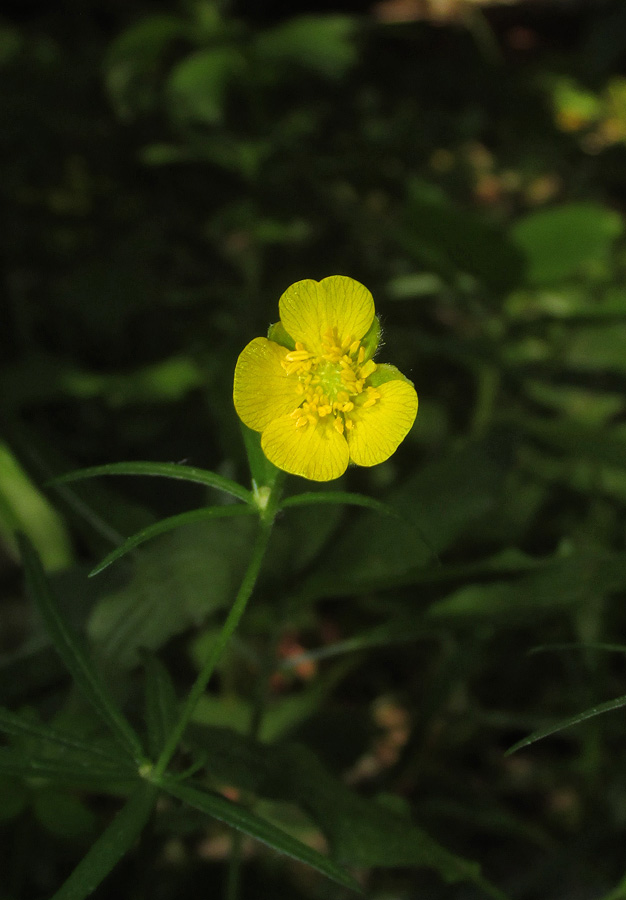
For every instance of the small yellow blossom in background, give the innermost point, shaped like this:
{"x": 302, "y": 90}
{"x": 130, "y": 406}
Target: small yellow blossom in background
{"x": 312, "y": 388}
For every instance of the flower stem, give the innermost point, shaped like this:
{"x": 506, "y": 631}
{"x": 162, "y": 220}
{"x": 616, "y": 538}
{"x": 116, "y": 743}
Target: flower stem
{"x": 232, "y": 620}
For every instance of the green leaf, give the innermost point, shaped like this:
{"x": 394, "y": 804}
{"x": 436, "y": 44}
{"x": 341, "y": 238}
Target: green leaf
{"x": 14, "y": 797}
{"x": 71, "y": 769}
{"x": 542, "y": 593}
{"x": 64, "y": 814}
{"x": 603, "y": 445}
{"x": 323, "y": 44}
{"x": 24, "y": 508}
{"x": 341, "y": 498}
{"x": 361, "y": 832}
{"x": 247, "y": 822}
{"x": 132, "y": 62}
{"x": 72, "y": 654}
{"x": 111, "y": 846}
{"x": 609, "y": 706}
{"x": 178, "y": 581}
{"x": 567, "y": 240}
{"x": 15, "y": 725}
{"x": 451, "y": 241}
{"x": 161, "y": 704}
{"x": 169, "y": 524}
{"x": 442, "y": 500}
{"x": 196, "y": 87}
{"x": 164, "y": 470}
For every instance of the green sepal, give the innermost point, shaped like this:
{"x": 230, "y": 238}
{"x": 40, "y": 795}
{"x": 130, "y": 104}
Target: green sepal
{"x": 279, "y": 335}
{"x": 263, "y": 472}
{"x": 372, "y": 339}
{"x": 385, "y": 372}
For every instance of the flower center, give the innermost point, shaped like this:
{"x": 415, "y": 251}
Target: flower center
{"x": 333, "y": 383}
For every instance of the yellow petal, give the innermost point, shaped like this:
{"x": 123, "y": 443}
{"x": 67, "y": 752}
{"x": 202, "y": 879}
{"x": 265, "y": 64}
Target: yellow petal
{"x": 379, "y": 429}
{"x": 317, "y": 452}
{"x": 309, "y": 309}
{"x": 263, "y": 390}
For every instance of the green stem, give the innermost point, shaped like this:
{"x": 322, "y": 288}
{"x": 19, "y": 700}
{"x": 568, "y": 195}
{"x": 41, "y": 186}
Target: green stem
{"x": 232, "y": 620}
{"x": 260, "y": 704}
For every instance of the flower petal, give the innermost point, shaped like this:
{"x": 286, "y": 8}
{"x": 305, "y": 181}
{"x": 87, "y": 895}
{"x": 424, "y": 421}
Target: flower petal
{"x": 379, "y": 429}
{"x": 317, "y": 452}
{"x": 262, "y": 389}
{"x": 308, "y": 309}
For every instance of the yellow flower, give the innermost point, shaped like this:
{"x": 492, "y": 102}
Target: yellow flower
{"x": 313, "y": 390}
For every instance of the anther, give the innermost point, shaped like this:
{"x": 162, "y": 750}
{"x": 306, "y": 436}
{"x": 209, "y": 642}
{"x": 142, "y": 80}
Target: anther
{"x": 368, "y": 369}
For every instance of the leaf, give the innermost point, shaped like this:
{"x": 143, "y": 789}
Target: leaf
{"x": 449, "y": 241}
{"x": 176, "y": 582}
{"x": 323, "y": 44}
{"x": 361, "y": 832}
{"x": 603, "y": 445}
{"x": 245, "y": 821}
{"x": 169, "y": 524}
{"x": 310, "y": 498}
{"x": 15, "y": 725}
{"x": 196, "y": 87}
{"x": 111, "y": 846}
{"x": 161, "y": 704}
{"x": 538, "y": 735}
{"x": 542, "y": 593}
{"x": 132, "y": 62}
{"x": 64, "y": 814}
{"x": 14, "y": 797}
{"x": 72, "y": 654}
{"x": 71, "y": 770}
{"x": 165, "y": 470}
{"x": 24, "y": 508}
{"x": 442, "y": 501}
{"x": 566, "y": 241}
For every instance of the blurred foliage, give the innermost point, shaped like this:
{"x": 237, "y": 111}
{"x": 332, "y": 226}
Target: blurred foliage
{"x": 167, "y": 171}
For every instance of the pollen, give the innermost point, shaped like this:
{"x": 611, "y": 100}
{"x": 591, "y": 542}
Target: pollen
{"x": 332, "y": 383}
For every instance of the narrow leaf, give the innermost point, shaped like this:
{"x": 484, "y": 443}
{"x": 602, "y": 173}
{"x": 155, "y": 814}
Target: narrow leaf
{"x": 72, "y": 654}
{"x": 146, "y": 534}
{"x": 247, "y": 822}
{"x": 15, "y": 725}
{"x": 310, "y": 498}
{"x": 111, "y": 846}
{"x": 165, "y": 470}
{"x": 69, "y": 770}
{"x": 161, "y": 704}
{"x": 610, "y": 705}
